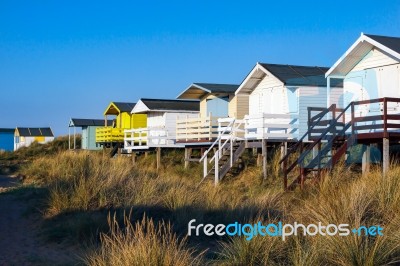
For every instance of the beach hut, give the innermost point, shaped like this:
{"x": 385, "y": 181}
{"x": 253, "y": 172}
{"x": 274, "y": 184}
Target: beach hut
{"x": 368, "y": 113}
{"x": 216, "y": 101}
{"x": 370, "y": 69}
{"x": 161, "y": 123}
{"x": 279, "y": 97}
{"x": 25, "y": 136}
{"x": 7, "y": 139}
{"x": 88, "y": 132}
{"x": 113, "y": 135}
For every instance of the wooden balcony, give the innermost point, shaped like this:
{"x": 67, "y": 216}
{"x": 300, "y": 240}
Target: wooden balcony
{"x": 145, "y": 138}
{"x": 109, "y": 135}
{"x": 199, "y": 129}
{"x": 271, "y": 126}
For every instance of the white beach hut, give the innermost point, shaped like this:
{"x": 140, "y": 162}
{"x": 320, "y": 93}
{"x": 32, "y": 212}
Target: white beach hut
{"x": 161, "y": 123}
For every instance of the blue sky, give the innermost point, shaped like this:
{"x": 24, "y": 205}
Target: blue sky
{"x": 70, "y": 59}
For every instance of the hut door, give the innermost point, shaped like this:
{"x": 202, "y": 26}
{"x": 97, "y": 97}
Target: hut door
{"x": 273, "y": 100}
{"x": 218, "y": 107}
{"x": 353, "y": 91}
{"x": 389, "y": 85}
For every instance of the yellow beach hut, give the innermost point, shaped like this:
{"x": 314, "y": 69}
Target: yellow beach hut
{"x": 120, "y": 112}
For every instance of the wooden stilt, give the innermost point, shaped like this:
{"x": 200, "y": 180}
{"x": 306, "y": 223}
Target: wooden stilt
{"x": 134, "y": 158}
{"x": 146, "y": 153}
{"x": 366, "y": 159}
{"x": 385, "y": 156}
{"x": 158, "y": 158}
{"x": 319, "y": 160}
{"x": 302, "y": 170}
{"x": 259, "y": 159}
{"x": 302, "y": 177}
{"x": 74, "y": 138}
{"x": 202, "y": 151}
{"x": 188, "y": 155}
{"x": 283, "y": 152}
{"x": 186, "y": 158}
{"x": 315, "y": 151}
{"x": 264, "y": 158}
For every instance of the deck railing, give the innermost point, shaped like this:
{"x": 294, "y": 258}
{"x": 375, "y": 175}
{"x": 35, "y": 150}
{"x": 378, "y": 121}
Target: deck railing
{"x": 109, "y": 134}
{"x": 197, "y": 129}
{"x": 384, "y": 119}
{"x": 135, "y": 137}
{"x": 271, "y": 126}
{"x": 147, "y": 137}
{"x": 367, "y": 116}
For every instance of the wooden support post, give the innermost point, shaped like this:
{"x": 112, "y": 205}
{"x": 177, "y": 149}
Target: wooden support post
{"x": 259, "y": 159}
{"x": 366, "y": 159}
{"x": 188, "y": 156}
{"x": 216, "y": 167}
{"x": 385, "y": 155}
{"x": 302, "y": 177}
{"x": 255, "y": 152}
{"x": 69, "y": 138}
{"x": 74, "y": 138}
{"x": 302, "y": 170}
{"x": 158, "y": 158}
{"x": 319, "y": 160}
{"x": 146, "y": 153}
{"x": 264, "y": 158}
{"x": 315, "y": 151}
{"x": 283, "y": 152}
{"x": 133, "y": 158}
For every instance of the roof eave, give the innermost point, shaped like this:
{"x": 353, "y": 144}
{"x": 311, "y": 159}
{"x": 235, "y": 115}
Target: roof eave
{"x": 109, "y": 106}
{"x": 258, "y": 66}
{"x": 361, "y": 39}
{"x": 166, "y": 111}
{"x": 193, "y": 85}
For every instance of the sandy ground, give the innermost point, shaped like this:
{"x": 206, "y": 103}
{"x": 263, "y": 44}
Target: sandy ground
{"x": 20, "y": 241}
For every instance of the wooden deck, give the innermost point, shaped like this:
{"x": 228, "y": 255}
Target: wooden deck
{"x": 333, "y": 131}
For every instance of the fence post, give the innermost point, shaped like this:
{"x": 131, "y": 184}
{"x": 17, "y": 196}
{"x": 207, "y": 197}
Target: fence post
{"x": 216, "y": 174}
{"x": 205, "y": 164}
{"x": 385, "y": 118}
{"x": 264, "y": 158}
{"x": 309, "y": 122}
{"x": 231, "y": 151}
{"x": 352, "y": 119}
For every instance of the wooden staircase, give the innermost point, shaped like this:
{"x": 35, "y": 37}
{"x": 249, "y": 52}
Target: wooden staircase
{"x": 229, "y": 149}
{"x": 226, "y": 163}
{"x": 329, "y": 137}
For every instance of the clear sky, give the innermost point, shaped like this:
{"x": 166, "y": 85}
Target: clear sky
{"x": 70, "y": 59}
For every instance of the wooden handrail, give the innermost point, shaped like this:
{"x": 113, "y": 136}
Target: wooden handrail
{"x": 327, "y": 130}
{"x": 295, "y": 147}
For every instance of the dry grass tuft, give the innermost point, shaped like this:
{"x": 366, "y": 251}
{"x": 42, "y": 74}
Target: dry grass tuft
{"x": 142, "y": 243}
